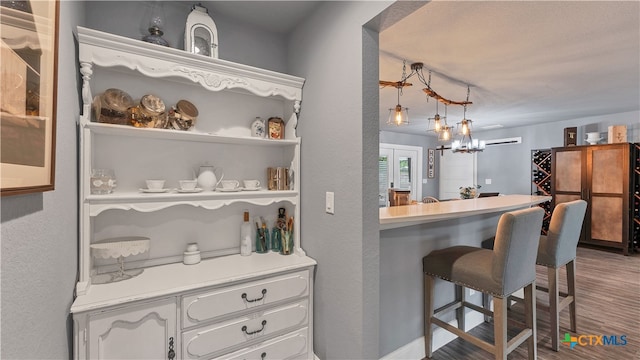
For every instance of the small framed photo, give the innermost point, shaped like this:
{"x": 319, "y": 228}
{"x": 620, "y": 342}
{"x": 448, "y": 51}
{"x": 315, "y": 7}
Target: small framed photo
{"x": 275, "y": 125}
{"x": 570, "y": 136}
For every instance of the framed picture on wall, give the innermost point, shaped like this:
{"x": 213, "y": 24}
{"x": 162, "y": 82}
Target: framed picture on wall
{"x": 431, "y": 163}
{"x": 28, "y": 80}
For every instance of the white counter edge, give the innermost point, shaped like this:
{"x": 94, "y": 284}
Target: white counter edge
{"x": 408, "y": 215}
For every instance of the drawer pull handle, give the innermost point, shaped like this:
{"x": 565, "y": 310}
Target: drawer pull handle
{"x": 171, "y": 354}
{"x": 244, "y": 329}
{"x": 244, "y": 296}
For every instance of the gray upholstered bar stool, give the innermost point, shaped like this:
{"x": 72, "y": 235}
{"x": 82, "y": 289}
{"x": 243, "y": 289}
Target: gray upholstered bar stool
{"x": 500, "y": 272}
{"x": 558, "y": 249}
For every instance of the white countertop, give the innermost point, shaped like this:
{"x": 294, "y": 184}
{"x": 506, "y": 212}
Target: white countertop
{"x": 407, "y": 215}
{"x": 175, "y": 278}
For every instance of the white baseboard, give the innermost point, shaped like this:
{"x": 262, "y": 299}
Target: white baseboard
{"x": 415, "y": 350}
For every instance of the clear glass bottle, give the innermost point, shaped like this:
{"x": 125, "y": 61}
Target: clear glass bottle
{"x": 262, "y": 236}
{"x": 245, "y": 236}
{"x": 276, "y": 239}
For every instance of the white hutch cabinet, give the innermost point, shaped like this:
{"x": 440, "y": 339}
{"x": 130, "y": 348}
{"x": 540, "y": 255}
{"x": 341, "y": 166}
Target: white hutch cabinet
{"x": 226, "y": 306}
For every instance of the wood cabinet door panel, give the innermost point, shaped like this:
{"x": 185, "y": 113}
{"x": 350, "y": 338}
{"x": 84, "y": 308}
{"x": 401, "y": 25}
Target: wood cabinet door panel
{"x": 606, "y": 219}
{"x": 607, "y": 171}
{"x": 568, "y": 171}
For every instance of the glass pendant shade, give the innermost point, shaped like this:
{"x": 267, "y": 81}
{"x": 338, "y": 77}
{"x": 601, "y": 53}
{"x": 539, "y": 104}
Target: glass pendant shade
{"x": 464, "y": 127}
{"x": 445, "y": 134}
{"x": 398, "y": 116}
{"x": 437, "y": 126}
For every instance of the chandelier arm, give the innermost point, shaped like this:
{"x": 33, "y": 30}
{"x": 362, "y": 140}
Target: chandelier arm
{"x": 443, "y": 100}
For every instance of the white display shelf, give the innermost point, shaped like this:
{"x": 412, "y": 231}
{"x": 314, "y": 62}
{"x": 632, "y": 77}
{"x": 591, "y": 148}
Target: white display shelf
{"x": 151, "y": 60}
{"x": 192, "y": 135}
{"x": 210, "y": 200}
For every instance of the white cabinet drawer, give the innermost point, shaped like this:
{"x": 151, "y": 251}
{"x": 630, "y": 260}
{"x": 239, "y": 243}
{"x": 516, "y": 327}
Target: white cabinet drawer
{"x": 208, "y": 305}
{"x": 216, "y": 337}
{"x": 291, "y": 346}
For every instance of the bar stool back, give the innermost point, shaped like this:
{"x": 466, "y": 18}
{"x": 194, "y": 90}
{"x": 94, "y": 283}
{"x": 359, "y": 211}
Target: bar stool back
{"x": 500, "y": 272}
{"x": 557, "y": 249}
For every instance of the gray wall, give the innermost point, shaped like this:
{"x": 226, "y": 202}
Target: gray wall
{"x": 509, "y": 166}
{"x": 39, "y": 233}
{"x": 238, "y": 41}
{"x": 431, "y": 188}
{"x": 339, "y": 150}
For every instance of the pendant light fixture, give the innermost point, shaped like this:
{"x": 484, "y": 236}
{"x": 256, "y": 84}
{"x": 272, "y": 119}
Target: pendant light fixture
{"x": 466, "y": 144}
{"x": 398, "y": 115}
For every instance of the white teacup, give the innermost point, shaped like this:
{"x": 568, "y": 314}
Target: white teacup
{"x": 251, "y": 184}
{"x": 155, "y": 184}
{"x": 188, "y": 184}
{"x": 230, "y": 184}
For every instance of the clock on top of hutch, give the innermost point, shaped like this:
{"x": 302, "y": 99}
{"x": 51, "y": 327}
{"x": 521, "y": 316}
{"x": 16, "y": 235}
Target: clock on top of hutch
{"x": 226, "y": 305}
{"x": 606, "y": 176}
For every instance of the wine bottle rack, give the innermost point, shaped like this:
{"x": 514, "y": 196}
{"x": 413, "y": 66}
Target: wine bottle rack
{"x": 541, "y": 182}
{"x": 634, "y": 244}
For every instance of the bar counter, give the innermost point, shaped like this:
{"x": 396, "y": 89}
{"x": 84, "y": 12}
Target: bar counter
{"x": 407, "y": 215}
{"x": 408, "y": 233}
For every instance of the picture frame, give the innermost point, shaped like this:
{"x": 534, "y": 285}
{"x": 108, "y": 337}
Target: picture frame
{"x": 275, "y": 128}
{"x": 28, "y": 83}
{"x": 431, "y": 166}
{"x": 570, "y": 136}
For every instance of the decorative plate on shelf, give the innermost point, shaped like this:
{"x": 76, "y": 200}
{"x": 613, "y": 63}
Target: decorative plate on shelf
{"x": 154, "y": 190}
{"x": 229, "y": 190}
{"x": 196, "y": 190}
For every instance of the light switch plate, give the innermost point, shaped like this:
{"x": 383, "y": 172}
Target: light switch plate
{"x": 329, "y": 204}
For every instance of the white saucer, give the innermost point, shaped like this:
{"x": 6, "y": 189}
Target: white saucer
{"x": 196, "y": 190}
{"x": 251, "y": 189}
{"x": 154, "y": 190}
{"x": 229, "y": 190}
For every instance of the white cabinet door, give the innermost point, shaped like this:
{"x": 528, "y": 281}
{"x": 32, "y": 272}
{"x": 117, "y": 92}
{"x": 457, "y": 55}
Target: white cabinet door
{"x": 138, "y": 332}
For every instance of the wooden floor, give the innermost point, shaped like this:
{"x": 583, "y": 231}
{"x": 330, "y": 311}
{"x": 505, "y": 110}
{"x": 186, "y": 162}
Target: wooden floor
{"x": 608, "y": 303}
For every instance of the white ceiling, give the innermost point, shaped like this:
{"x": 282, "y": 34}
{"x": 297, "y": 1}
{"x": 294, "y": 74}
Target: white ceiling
{"x": 526, "y": 62}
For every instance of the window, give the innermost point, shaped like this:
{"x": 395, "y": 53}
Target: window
{"x": 400, "y": 167}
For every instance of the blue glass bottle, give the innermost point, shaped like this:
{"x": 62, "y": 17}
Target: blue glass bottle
{"x": 275, "y": 239}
